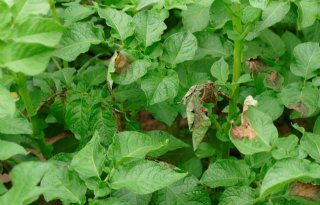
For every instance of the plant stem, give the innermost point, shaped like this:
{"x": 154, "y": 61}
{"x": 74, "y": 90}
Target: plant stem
{"x": 54, "y": 11}
{"x": 25, "y": 96}
{"x": 237, "y": 56}
{"x": 32, "y": 114}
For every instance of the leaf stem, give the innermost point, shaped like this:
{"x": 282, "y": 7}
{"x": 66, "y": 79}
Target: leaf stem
{"x": 54, "y": 11}
{"x": 237, "y": 57}
{"x": 56, "y": 63}
{"x": 25, "y": 96}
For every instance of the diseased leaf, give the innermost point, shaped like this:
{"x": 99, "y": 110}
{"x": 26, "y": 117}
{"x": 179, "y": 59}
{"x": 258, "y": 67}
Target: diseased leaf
{"x": 303, "y": 99}
{"x": 256, "y": 132}
{"x": 285, "y": 171}
{"x": 179, "y": 47}
{"x": 77, "y": 39}
{"x": 149, "y": 26}
{"x": 160, "y": 85}
{"x": 25, "y": 178}
{"x": 132, "y": 72}
{"x": 185, "y": 191}
{"x": 143, "y": 177}
{"x": 228, "y": 172}
{"x": 9, "y": 149}
{"x": 119, "y": 21}
{"x": 309, "y": 191}
{"x": 89, "y": 161}
{"x": 306, "y": 60}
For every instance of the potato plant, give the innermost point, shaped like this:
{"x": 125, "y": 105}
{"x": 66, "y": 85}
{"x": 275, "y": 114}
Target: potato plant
{"x": 160, "y": 102}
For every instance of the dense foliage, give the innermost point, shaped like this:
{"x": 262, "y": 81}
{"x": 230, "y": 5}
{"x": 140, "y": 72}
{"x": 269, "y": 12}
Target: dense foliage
{"x": 173, "y": 102}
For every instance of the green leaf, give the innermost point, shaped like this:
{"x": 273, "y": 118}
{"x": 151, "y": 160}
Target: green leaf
{"x": 30, "y": 59}
{"x": 308, "y": 12}
{"x": 285, "y": 171}
{"x": 185, "y": 191}
{"x": 9, "y": 149}
{"x": 226, "y": 172}
{"x": 25, "y": 178}
{"x": 161, "y": 136}
{"x": 273, "y": 14}
{"x": 265, "y": 132}
{"x": 275, "y": 47}
{"x": 103, "y": 121}
{"x": 7, "y": 104}
{"x": 77, "y": 116}
{"x": 210, "y": 44}
{"x": 149, "y": 26}
{"x": 130, "y": 144}
{"x": 143, "y": 177}
{"x": 310, "y": 143}
{"x": 219, "y": 15}
{"x": 129, "y": 198}
{"x": 160, "y": 85}
{"x": 5, "y": 16}
{"x": 220, "y": 70}
{"x": 24, "y": 8}
{"x": 133, "y": 72}
{"x": 164, "y": 112}
{"x": 260, "y": 4}
{"x": 63, "y": 184}
{"x": 268, "y": 102}
{"x": 89, "y": 161}
{"x": 301, "y": 98}
{"x": 240, "y": 195}
{"x": 76, "y": 12}
{"x": 197, "y": 15}
{"x": 119, "y": 21}
{"x": 38, "y": 30}
{"x": 77, "y": 39}
{"x": 94, "y": 75}
{"x": 306, "y": 60}
{"x": 286, "y": 148}
{"x": 10, "y": 125}
{"x": 179, "y": 47}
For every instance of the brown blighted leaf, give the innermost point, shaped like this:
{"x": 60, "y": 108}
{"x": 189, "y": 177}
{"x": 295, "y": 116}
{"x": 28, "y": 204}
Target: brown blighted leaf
{"x": 121, "y": 62}
{"x": 166, "y": 164}
{"x": 244, "y": 130}
{"x": 197, "y": 118}
{"x": 305, "y": 190}
{"x": 255, "y": 65}
{"x": 300, "y": 107}
{"x": 207, "y": 92}
{"x": 273, "y": 80}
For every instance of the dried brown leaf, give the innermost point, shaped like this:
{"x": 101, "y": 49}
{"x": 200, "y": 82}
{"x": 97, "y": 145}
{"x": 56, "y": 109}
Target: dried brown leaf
{"x": 273, "y": 80}
{"x": 300, "y": 107}
{"x": 255, "y": 65}
{"x": 121, "y": 62}
{"x": 305, "y": 190}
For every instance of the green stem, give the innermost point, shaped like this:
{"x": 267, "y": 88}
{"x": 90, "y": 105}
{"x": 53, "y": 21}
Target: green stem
{"x": 32, "y": 114}
{"x": 54, "y": 11}
{"x": 25, "y": 96}
{"x": 56, "y": 63}
{"x": 237, "y": 56}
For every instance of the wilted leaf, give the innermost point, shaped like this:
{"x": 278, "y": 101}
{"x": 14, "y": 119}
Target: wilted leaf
{"x": 274, "y": 80}
{"x": 305, "y": 190}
